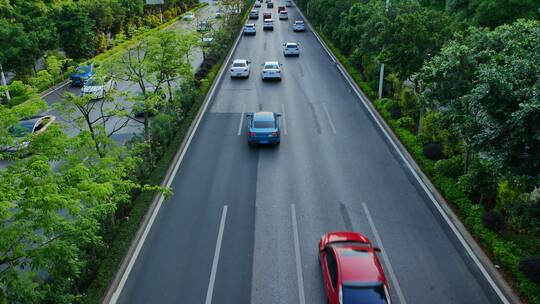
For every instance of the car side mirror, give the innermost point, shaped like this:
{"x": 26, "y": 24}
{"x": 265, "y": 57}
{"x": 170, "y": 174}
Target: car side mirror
{"x": 376, "y": 249}
{"x": 248, "y": 115}
{"x": 278, "y": 115}
{"x": 249, "y": 61}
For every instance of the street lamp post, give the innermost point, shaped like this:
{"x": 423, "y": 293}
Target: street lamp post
{"x": 381, "y": 74}
{"x": 4, "y": 82}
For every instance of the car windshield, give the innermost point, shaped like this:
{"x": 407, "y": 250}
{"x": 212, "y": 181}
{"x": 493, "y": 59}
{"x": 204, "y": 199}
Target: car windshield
{"x": 249, "y": 25}
{"x": 93, "y": 82}
{"x": 23, "y": 128}
{"x": 239, "y": 64}
{"x": 271, "y": 66}
{"x": 263, "y": 124}
{"x": 291, "y": 46}
{"x": 365, "y": 295}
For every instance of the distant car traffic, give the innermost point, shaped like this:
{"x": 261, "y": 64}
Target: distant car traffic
{"x": 351, "y": 270}
{"x": 268, "y": 25}
{"x": 188, "y": 16}
{"x": 299, "y": 26}
{"x": 254, "y": 14}
{"x": 219, "y": 14}
{"x": 240, "y": 68}
{"x": 203, "y": 26}
{"x": 27, "y": 128}
{"x": 257, "y": 4}
{"x": 97, "y": 88}
{"x": 280, "y": 9}
{"x": 288, "y": 3}
{"x": 263, "y": 128}
{"x": 271, "y": 70}
{"x": 249, "y": 29}
{"x": 81, "y": 74}
{"x": 270, "y": 5}
{"x": 267, "y": 15}
{"x": 283, "y": 15}
{"x": 291, "y": 49}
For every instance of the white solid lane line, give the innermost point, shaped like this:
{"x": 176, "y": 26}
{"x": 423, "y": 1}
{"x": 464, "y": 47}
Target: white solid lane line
{"x": 283, "y": 119}
{"x": 329, "y": 118}
{"x": 216, "y": 257}
{"x": 393, "y": 277}
{"x": 241, "y": 119}
{"x": 302, "y": 298}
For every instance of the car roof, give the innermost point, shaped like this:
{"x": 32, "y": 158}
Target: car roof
{"x": 240, "y": 61}
{"x": 357, "y": 264}
{"x": 291, "y": 43}
{"x": 263, "y": 116}
{"x": 271, "y": 62}
{"x": 298, "y": 21}
{"x": 250, "y": 24}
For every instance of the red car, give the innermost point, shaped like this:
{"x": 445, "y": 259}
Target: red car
{"x": 351, "y": 270}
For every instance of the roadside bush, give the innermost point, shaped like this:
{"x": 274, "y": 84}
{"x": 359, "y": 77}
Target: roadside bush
{"x": 452, "y": 167}
{"x": 433, "y": 151}
{"x": 530, "y": 267}
{"x": 406, "y": 122}
{"x": 493, "y": 220}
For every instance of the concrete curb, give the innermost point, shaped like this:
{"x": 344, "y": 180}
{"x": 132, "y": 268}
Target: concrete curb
{"x": 169, "y": 176}
{"x": 494, "y": 274}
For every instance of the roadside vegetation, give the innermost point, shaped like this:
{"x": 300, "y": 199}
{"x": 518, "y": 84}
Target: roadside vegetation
{"x": 463, "y": 95}
{"x": 70, "y": 205}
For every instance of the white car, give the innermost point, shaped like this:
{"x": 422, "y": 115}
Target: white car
{"x": 291, "y": 49}
{"x": 268, "y": 25}
{"x": 249, "y": 29}
{"x": 299, "y": 26}
{"x": 97, "y": 87}
{"x": 207, "y": 40}
{"x": 288, "y": 3}
{"x": 283, "y": 15}
{"x": 188, "y": 16}
{"x": 219, "y": 14}
{"x": 254, "y": 14}
{"x": 240, "y": 68}
{"x": 257, "y": 4}
{"x": 271, "y": 70}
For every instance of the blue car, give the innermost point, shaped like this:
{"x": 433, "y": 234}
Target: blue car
{"x": 81, "y": 74}
{"x": 263, "y": 128}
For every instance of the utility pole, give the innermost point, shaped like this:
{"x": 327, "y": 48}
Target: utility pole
{"x": 381, "y": 74}
{"x": 4, "y": 82}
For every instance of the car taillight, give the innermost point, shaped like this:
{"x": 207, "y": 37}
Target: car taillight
{"x": 252, "y": 134}
{"x": 275, "y": 134}
{"x": 245, "y": 70}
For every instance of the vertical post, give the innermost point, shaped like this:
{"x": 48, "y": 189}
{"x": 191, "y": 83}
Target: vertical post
{"x": 4, "y": 82}
{"x": 381, "y": 75}
{"x": 161, "y": 13}
{"x": 381, "y": 80}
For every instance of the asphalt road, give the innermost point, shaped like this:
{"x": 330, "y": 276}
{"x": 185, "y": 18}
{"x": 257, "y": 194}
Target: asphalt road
{"x": 333, "y": 171}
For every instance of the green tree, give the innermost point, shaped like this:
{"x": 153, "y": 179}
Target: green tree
{"x": 486, "y": 84}
{"x": 76, "y": 30}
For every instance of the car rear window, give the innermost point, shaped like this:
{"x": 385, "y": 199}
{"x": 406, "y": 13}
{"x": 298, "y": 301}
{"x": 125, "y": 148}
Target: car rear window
{"x": 263, "y": 124}
{"x": 238, "y": 64}
{"x": 271, "y": 66}
{"x": 365, "y": 295}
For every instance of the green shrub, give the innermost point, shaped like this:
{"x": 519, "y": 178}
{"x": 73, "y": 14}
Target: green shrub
{"x": 406, "y": 122}
{"x": 452, "y": 167}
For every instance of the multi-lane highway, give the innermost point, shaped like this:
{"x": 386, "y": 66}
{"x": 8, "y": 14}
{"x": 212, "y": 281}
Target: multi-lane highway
{"x": 243, "y": 224}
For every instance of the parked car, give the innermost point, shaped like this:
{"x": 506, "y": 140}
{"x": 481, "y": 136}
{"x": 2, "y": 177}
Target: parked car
{"x": 97, "y": 87}
{"x": 270, "y": 5}
{"x": 249, "y": 29}
{"x": 271, "y": 70}
{"x": 283, "y": 15}
{"x": 254, "y": 14}
{"x": 81, "y": 74}
{"x": 288, "y": 3}
{"x": 268, "y": 25}
{"x": 291, "y": 49}
{"x": 240, "y": 68}
{"x": 25, "y": 129}
{"x": 203, "y": 26}
{"x": 188, "y": 16}
{"x": 299, "y": 26}
{"x": 351, "y": 270}
{"x": 263, "y": 128}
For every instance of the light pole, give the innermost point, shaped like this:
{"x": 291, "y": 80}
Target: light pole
{"x": 381, "y": 74}
{"x": 4, "y": 83}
